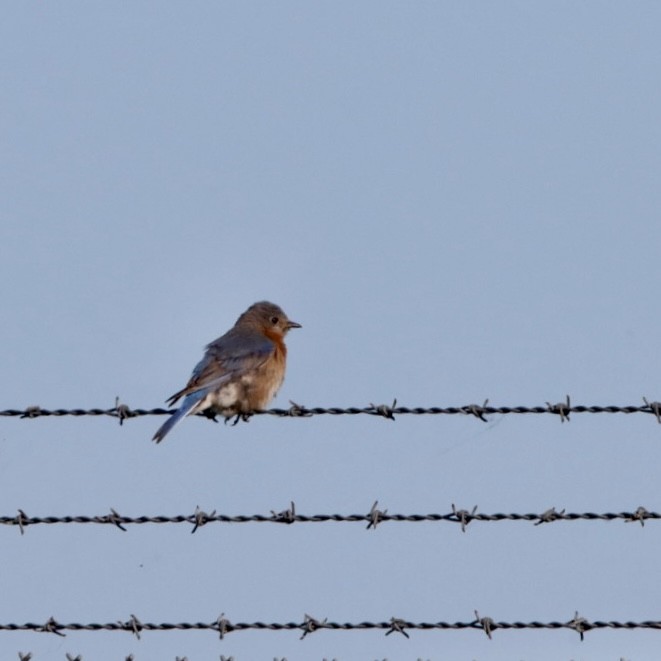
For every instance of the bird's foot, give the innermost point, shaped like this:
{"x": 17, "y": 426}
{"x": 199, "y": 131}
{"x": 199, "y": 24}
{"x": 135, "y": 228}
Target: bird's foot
{"x": 209, "y": 413}
{"x": 239, "y": 417}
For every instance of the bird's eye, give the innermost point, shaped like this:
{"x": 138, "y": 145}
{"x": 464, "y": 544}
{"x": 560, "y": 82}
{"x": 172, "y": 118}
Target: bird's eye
{"x": 274, "y": 320}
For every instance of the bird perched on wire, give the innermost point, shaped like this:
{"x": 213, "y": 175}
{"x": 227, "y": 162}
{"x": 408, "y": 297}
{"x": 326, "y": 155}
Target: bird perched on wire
{"x": 241, "y": 371}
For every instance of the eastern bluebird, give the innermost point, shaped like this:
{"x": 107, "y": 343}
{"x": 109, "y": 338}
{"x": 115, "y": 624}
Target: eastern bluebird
{"x": 241, "y": 371}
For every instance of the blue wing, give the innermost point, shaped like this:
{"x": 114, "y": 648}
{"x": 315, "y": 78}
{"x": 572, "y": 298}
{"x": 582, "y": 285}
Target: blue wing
{"x": 190, "y": 401}
{"x": 225, "y": 359}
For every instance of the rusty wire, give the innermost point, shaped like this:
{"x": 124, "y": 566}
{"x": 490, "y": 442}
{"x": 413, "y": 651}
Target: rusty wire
{"x": 373, "y": 518}
{"x": 562, "y": 409}
{"x": 310, "y": 625}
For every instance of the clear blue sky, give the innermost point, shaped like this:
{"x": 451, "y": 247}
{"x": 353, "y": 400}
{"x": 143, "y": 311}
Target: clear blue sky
{"x": 456, "y": 200}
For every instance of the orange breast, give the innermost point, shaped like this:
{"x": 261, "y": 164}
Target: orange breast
{"x": 280, "y": 347}
{"x": 270, "y": 375}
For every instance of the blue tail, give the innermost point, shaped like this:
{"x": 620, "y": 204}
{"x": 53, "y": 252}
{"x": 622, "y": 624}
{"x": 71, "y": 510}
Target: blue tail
{"x": 189, "y": 403}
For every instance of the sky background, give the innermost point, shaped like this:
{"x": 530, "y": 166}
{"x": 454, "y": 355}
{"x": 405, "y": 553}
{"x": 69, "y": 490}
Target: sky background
{"x": 456, "y": 200}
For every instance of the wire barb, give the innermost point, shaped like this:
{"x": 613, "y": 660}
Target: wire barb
{"x": 375, "y": 516}
{"x": 115, "y": 519}
{"x": 134, "y": 626}
{"x": 562, "y": 409}
{"x": 122, "y": 411}
{"x": 639, "y": 515}
{"x": 201, "y": 518}
{"x": 384, "y": 410}
{"x": 310, "y": 625}
{"x": 286, "y": 516}
{"x": 52, "y": 627}
{"x": 397, "y": 625}
{"x": 486, "y": 623}
{"x": 32, "y": 412}
{"x": 298, "y": 411}
{"x": 549, "y": 516}
{"x": 21, "y": 520}
{"x": 224, "y": 625}
{"x": 579, "y": 624}
{"x": 655, "y": 408}
{"x": 464, "y": 517}
{"x": 477, "y": 410}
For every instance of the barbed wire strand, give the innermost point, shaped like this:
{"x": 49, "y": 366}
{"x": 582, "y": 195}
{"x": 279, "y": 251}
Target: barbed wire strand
{"x": 223, "y": 626}
{"x": 373, "y": 518}
{"x": 562, "y": 409}
{"x": 27, "y": 656}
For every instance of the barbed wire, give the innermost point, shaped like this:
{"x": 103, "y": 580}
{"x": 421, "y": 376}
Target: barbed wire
{"x": 309, "y": 625}
{"x": 27, "y": 656}
{"x": 389, "y": 411}
{"x": 373, "y": 518}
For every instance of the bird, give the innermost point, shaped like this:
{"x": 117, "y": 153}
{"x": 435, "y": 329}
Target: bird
{"x": 241, "y": 371}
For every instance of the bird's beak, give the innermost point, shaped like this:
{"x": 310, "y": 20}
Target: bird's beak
{"x": 293, "y": 324}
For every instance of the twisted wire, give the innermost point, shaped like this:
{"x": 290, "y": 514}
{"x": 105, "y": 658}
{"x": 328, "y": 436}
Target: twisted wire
{"x": 289, "y": 516}
{"x": 310, "y": 625}
{"x": 562, "y": 409}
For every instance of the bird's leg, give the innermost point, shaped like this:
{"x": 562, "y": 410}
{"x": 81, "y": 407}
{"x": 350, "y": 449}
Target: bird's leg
{"x": 209, "y": 413}
{"x": 239, "y": 417}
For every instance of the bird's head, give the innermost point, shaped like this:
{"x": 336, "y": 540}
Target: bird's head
{"x": 268, "y": 318}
